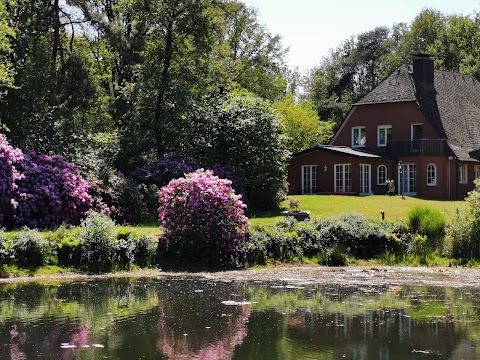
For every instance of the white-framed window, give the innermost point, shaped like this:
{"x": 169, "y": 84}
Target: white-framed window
{"x": 431, "y": 175}
{"x": 359, "y": 136}
{"x": 343, "y": 177}
{"x": 382, "y": 175}
{"x": 309, "y": 179}
{"x": 463, "y": 174}
{"x": 476, "y": 170}
{"x": 384, "y": 135}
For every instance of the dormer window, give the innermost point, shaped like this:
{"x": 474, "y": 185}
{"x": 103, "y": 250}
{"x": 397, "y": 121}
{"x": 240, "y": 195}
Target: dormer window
{"x": 384, "y": 135}
{"x": 359, "y": 136}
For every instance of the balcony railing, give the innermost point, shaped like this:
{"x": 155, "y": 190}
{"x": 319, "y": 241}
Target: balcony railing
{"x": 420, "y": 147}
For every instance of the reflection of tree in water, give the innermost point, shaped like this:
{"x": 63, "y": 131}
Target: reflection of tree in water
{"x": 198, "y": 326}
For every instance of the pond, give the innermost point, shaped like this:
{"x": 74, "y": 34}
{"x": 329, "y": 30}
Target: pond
{"x": 194, "y": 318}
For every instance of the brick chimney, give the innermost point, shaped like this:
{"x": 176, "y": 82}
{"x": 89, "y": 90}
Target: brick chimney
{"x": 423, "y": 73}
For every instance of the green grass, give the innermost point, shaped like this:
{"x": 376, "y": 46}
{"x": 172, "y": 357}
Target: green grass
{"x": 324, "y": 206}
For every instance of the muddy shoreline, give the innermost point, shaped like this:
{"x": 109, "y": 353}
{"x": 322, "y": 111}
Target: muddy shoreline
{"x": 349, "y": 275}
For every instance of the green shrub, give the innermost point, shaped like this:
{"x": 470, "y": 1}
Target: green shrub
{"x": 144, "y": 252}
{"x": 329, "y": 239}
{"x": 3, "y": 248}
{"x": 463, "y": 236}
{"x": 28, "y": 249}
{"x": 69, "y": 251}
{"x": 427, "y": 222}
{"x": 124, "y": 252}
{"x": 97, "y": 240}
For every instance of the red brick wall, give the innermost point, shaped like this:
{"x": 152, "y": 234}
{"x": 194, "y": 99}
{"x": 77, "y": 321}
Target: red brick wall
{"x": 399, "y": 115}
{"x": 326, "y": 178}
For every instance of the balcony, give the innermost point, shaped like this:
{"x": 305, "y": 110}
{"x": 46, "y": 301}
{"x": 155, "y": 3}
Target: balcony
{"x": 419, "y": 147}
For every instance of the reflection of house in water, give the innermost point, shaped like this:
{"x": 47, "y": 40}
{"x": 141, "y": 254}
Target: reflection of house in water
{"x": 383, "y": 334}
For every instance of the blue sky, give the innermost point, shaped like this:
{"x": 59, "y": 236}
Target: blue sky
{"x": 311, "y": 27}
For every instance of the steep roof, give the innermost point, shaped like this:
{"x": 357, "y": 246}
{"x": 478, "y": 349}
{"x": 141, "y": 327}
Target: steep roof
{"x": 396, "y": 87}
{"x": 453, "y": 108}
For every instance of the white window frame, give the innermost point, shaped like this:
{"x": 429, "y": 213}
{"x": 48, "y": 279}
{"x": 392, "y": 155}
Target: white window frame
{"x": 346, "y": 185}
{"x": 463, "y": 173}
{"x": 381, "y": 128}
{"x": 378, "y": 175}
{"x": 313, "y": 181}
{"x": 431, "y": 175}
{"x": 358, "y": 129}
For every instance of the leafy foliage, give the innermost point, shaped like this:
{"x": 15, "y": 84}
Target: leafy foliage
{"x": 463, "y": 233}
{"x": 427, "y": 222}
{"x": 97, "y": 240}
{"x": 202, "y": 217}
{"x": 330, "y": 240}
{"x": 28, "y": 249}
{"x": 302, "y": 124}
{"x": 243, "y": 131}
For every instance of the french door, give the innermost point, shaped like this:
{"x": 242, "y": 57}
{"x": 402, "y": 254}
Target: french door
{"x": 365, "y": 179}
{"x": 343, "y": 178}
{"x": 408, "y": 179}
{"x": 309, "y": 179}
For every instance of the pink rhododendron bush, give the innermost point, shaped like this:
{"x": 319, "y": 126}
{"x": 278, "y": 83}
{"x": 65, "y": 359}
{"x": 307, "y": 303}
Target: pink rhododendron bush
{"x": 202, "y": 217}
{"x": 40, "y": 191}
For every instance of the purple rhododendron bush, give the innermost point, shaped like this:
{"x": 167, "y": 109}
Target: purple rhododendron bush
{"x": 40, "y": 191}
{"x": 10, "y": 158}
{"x": 202, "y": 217}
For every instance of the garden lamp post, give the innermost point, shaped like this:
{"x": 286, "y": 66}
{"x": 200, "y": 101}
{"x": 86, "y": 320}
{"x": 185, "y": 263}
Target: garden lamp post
{"x": 400, "y": 170}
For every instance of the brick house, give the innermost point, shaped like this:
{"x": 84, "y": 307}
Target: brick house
{"x": 419, "y": 127}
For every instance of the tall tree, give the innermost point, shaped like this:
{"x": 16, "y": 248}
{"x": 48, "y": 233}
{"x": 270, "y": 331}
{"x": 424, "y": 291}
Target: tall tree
{"x": 7, "y": 33}
{"x": 303, "y": 127}
{"x": 255, "y": 57}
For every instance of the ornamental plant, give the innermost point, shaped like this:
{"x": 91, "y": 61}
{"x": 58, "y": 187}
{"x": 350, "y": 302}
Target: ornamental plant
{"x": 202, "y": 217}
{"x": 10, "y": 158}
{"x": 50, "y": 192}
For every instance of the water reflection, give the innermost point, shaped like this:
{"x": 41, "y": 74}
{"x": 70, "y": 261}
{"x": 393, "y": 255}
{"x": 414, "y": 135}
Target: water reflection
{"x": 193, "y": 319}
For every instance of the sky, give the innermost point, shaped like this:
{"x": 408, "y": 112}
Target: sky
{"x": 310, "y": 28}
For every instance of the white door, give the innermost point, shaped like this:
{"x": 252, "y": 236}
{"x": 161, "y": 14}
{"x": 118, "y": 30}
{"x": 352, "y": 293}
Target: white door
{"x": 365, "y": 179}
{"x": 309, "y": 179}
{"x": 408, "y": 179}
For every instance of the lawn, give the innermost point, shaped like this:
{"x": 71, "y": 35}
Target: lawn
{"x": 395, "y": 208}
{"x": 324, "y": 206}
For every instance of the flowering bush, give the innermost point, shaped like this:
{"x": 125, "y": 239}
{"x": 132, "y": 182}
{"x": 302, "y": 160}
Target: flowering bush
{"x": 160, "y": 172}
{"x": 10, "y": 158}
{"x": 50, "y": 192}
{"x": 39, "y": 191}
{"x": 202, "y": 217}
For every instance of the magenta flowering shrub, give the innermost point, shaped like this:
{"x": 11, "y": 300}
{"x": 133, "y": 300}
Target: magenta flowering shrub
{"x": 10, "y": 158}
{"x": 202, "y": 217}
{"x": 50, "y": 192}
